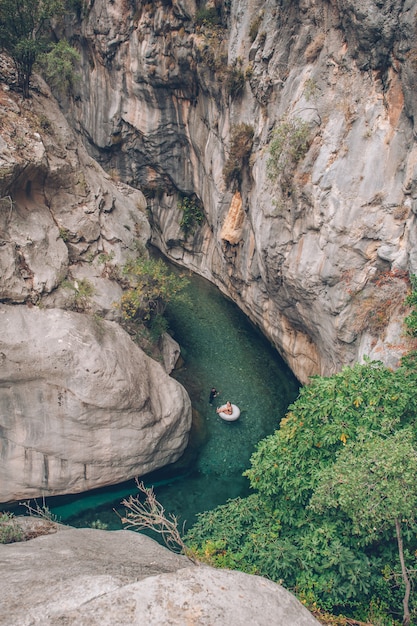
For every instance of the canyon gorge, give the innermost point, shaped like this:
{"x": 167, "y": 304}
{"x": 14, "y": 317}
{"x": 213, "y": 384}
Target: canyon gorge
{"x": 288, "y": 127}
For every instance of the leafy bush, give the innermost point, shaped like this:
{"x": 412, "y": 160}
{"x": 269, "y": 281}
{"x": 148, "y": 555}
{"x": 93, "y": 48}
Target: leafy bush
{"x": 322, "y": 552}
{"x": 10, "y": 531}
{"x": 152, "y": 287}
{"x": 25, "y": 34}
{"x": 192, "y": 214}
{"x": 241, "y": 142}
{"x": 59, "y": 65}
{"x": 289, "y": 145}
{"x": 234, "y": 79}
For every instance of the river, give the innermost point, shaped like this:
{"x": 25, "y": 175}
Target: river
{"x": 220, "y": 348}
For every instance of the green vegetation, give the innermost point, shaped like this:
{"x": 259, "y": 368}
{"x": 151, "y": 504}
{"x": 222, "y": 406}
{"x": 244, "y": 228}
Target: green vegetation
{"x": 24, "y": 33}
{"x": 289, "y": 145}
{"x": 64, "y": 234}
{"x": 192, "y": 216}
{"x": 234, "y": 79}
{"x": 302, "y": 526}
{"x": 411, "y": 320}
{"x": 10, "y": 531}
{"x": 151, "y": 287}
{"x": 374, "y": 483}
{"x": 241, "y": 143}
{"x": 83, "y": 290}
{"x": 208, "y": 17}
{"x": 59, "y": 67}
{"x": 333, "y": 513}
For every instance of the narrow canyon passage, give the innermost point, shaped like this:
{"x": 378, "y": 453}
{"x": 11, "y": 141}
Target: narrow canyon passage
{"x": 220, "y": 347}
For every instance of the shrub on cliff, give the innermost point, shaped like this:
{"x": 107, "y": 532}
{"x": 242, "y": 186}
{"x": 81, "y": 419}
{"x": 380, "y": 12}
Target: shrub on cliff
{"x": 192, "y": 214}
{"x": 290, "y": 142}
{"x": 24, "y": 30}
{"x": 241, "y": 142}
{"x": 26, "y": 35}
{"x": 59, "y": 66}
{"x": 151, "y": 287}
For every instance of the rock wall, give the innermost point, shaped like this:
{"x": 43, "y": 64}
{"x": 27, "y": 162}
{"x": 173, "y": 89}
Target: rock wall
{"x": 81, "y": 406}
{"x": 320, "y": 254}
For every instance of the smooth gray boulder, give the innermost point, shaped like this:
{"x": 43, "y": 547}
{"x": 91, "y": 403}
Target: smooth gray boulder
{"x": 81, "y": 406}
{"x": 87, "y": 577}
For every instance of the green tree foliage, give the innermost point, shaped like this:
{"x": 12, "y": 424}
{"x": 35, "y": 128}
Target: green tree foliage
{"x": 322, "y": 552}
{"x": 373, "y": 482}
{"x": 151, "y": 287}
{"x": 59, "y": 66}
{"x": 192, "y": 214}
{"x": 24, "y": 30}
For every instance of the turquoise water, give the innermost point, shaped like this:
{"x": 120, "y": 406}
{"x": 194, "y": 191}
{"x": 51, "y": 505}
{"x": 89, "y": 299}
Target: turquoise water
{"x": 220, "y": 348}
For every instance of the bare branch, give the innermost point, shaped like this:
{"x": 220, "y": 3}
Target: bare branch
{"x": 150, "y": 515}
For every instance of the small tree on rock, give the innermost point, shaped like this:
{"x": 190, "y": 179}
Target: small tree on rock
{"x": 24, "y": 29}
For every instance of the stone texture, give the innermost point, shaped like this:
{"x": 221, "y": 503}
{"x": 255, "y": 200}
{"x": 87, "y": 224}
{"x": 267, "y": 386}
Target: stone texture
{"x": 81, "y": 406}
{"x": 170, "y": 350}
{"x": 310, "y": 248}
{"x": 93, "y": 577}
{"x": 232, "y": 228}
{"x": 61, "y": 215}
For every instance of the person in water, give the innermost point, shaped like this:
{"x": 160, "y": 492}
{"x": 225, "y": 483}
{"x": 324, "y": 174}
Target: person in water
{"x": 227, "y": 408}
{"x": 213, "y": 394}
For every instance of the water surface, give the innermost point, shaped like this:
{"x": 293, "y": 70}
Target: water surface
{"x": 220, "y": 348}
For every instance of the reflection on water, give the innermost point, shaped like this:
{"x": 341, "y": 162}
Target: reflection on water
{"x": 221, "y": 349}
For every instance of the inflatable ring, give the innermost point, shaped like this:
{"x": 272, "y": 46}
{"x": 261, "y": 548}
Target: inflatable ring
{"x": 234, "y": 415}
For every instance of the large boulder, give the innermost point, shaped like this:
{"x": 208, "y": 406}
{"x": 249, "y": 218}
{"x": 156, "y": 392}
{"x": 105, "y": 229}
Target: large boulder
{"x": 81, "y": 406}
{"x": 87, "y": 577}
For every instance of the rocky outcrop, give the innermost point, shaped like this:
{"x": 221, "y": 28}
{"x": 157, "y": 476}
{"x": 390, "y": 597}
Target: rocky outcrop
{"x": 61, "y": 216}
{"x": 321, "y": 252}
{"x": 94, "y": 577}
{"x": 81, "y": 405}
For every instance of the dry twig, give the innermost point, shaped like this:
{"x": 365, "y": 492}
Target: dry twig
{"x": 150, "y": 515}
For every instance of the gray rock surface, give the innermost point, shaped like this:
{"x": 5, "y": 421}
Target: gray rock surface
{"x": 99, "y": 578}
{"x": 311, "y": 248}
{"x": 61, "y": 215}
{"x": 81, "y": 406}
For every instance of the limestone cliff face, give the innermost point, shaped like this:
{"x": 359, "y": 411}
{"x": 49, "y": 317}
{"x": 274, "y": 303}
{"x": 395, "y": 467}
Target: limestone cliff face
{"x": 318, "y": 254}
{"x": 81, "y": 406}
